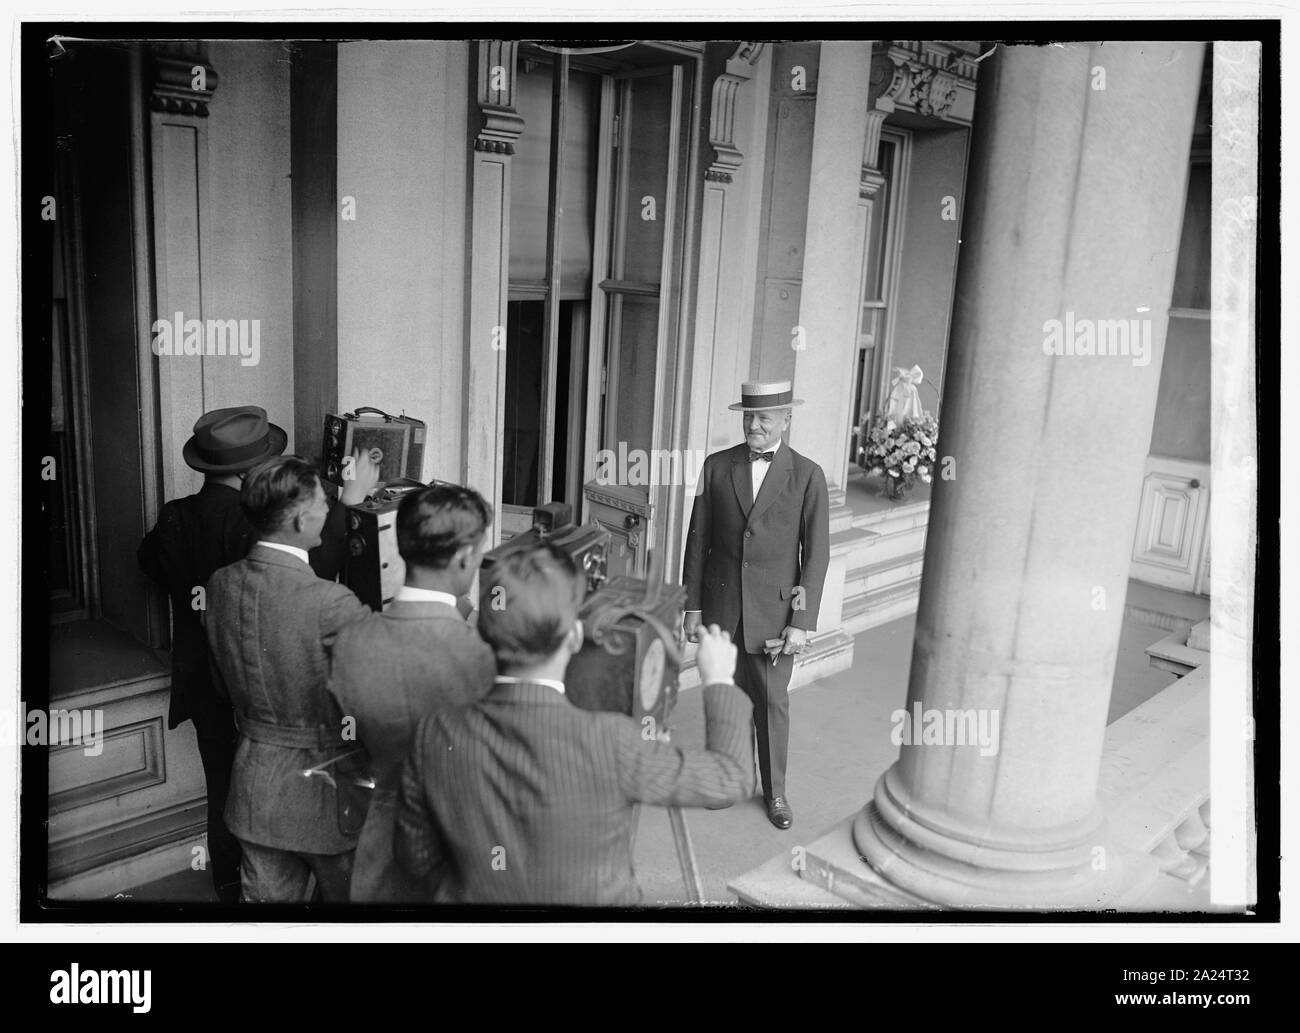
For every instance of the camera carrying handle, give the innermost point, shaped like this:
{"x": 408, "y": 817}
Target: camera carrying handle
{"x": 369, "y": 408}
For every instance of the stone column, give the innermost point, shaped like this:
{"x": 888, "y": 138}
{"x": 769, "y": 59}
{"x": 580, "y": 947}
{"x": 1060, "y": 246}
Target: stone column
{"x": 1074, "y": 212}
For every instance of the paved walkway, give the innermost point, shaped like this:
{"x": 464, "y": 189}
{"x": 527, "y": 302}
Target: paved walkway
{"x": 839, "y": 746}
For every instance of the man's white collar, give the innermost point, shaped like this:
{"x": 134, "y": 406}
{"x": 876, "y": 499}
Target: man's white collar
{"x": 292, "y": 550}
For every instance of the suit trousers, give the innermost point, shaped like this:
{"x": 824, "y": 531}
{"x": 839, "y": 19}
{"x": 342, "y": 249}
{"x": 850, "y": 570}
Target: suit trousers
{"x": 214, "y": 728}
{"x": 273, "y": 876}
{"x": 767, "y": 685}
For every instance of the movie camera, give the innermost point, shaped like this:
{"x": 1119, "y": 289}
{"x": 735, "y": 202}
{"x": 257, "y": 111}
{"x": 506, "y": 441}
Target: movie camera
{"x": 629, "y": 661}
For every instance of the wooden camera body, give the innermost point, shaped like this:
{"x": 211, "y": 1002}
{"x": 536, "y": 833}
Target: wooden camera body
{"x": 629, "y": 661}
{"x": 373, "y": 568}
{"x": 396, "y": 443}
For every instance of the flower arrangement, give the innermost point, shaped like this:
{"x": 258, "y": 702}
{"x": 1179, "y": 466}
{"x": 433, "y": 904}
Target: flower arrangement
{"x": 900, "y": 448}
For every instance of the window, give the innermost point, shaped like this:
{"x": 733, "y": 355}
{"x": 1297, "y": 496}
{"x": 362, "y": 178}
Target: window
{"x": 878, "y": 204}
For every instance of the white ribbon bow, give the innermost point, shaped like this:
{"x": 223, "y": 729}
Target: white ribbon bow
{"x": 904, "y": 399}
{"x": 912, "y": 376}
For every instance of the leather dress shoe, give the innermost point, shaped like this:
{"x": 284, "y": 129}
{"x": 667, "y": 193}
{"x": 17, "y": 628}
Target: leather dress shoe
{"x": 779, "y": 812}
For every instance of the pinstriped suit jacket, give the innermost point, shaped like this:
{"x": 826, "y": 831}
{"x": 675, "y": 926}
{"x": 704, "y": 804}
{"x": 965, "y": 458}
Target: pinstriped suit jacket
{"x": 522, "y": 798}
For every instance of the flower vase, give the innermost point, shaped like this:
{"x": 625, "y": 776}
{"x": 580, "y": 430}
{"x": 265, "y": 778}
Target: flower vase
{"x": 894, "y": 487}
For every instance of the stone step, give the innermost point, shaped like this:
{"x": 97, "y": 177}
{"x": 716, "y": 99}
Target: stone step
{"x": 872, "y": 609}
{"x": 890, "y": 521}
{"x": 880, "y": 547}
{"x": 874, "y": 577}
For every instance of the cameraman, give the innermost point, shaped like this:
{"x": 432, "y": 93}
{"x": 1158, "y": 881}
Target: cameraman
{"x": 523, "y": 798}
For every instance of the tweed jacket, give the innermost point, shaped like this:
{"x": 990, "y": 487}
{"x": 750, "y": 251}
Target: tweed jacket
{"x": 271, "y": 624}
{"x": 523, "y": 798}
{"x": 387, "y": 674}
{"x": 762, "y": 559}
{"x": 195, "y": 536}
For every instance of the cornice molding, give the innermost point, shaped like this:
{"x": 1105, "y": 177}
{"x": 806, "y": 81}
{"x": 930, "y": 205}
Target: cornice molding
{"x": 722, "y": 115}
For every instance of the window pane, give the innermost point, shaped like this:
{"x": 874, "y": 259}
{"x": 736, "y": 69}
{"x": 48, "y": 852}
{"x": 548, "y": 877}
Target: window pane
{"x": 523, "y": 402}
{"x": 874, "y": 279}
{"x": 530, "y": 179}
{"x": 646, "y": 128}
{"x": 634, "y": 330}
{"x": 530, "y": 175}
{"x": 577, "y": 220}
{"x": 570, "y": 398}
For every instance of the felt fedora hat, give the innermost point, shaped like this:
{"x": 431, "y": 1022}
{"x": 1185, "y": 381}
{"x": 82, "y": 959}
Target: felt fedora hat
{"x": 233, "y": 440}
{"x": 756, "y": 395}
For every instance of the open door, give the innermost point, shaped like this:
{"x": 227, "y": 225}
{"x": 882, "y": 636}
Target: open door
{"x": 633, "y": 352}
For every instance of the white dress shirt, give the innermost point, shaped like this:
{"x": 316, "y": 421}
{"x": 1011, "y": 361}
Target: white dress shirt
{"x": 411, "y": 594}
{"x": 758, "y": 468}
{"x": 292, "y": 550}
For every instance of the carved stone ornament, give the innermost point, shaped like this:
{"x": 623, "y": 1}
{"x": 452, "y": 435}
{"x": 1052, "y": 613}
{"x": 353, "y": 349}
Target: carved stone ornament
{"x": 933, "y": 80}
{"x": 722, "y": 115}
{"x": 502, "y": 124}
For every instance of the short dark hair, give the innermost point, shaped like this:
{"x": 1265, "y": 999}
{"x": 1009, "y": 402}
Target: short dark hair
{"x": 528, "y": 601}
{"x": 437, "y": 522}
{"x": 274, "y": 491}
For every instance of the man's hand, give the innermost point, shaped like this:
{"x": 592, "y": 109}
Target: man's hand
{"x": 365, "y": 476}
{"x": 691, "y": 622}
{"x": 795, "y": 640}
{"x": 716, "y": 659}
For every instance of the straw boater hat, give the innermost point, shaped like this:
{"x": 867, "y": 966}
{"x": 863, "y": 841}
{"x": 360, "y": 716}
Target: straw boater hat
{"x": 757, "y": 395}
{"x": 233, "y": 440}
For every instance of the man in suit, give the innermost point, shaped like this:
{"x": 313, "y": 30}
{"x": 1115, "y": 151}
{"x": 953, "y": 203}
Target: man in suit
{"x": 420, "y": 654}
{"x": 522, "y": 798}
{"x": 271, "y": 624}
{"x": 195, "y": 536}
{"x": 756, "y": 559}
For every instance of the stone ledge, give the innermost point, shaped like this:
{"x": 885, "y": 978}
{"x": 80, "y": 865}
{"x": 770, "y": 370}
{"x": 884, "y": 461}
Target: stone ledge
{"x": 1173, "y": 654}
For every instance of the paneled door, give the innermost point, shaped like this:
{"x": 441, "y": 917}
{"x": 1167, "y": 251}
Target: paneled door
{"x": 634, "y": 312}
{"x": 1169, "y": 545}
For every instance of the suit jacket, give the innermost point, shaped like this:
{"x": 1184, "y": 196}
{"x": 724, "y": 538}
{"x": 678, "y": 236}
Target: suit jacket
{"x": 388, "y": 673}
{"x": 271, "y": 624}
{"x": 523, "y": 798}
{"x": 748, "y": 557}
{"x": 194, "y": 537}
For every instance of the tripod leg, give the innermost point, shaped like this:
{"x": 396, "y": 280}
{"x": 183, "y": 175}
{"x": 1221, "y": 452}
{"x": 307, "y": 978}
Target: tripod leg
{"x": 686, "y": 855}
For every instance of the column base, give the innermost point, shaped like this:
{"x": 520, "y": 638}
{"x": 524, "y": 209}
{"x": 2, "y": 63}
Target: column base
{"x": 1114, "y": 878}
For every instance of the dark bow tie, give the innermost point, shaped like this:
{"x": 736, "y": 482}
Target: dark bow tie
{"x": 765, "y": 456}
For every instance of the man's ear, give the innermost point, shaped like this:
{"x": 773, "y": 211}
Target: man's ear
{"x": 463, "y": 558}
